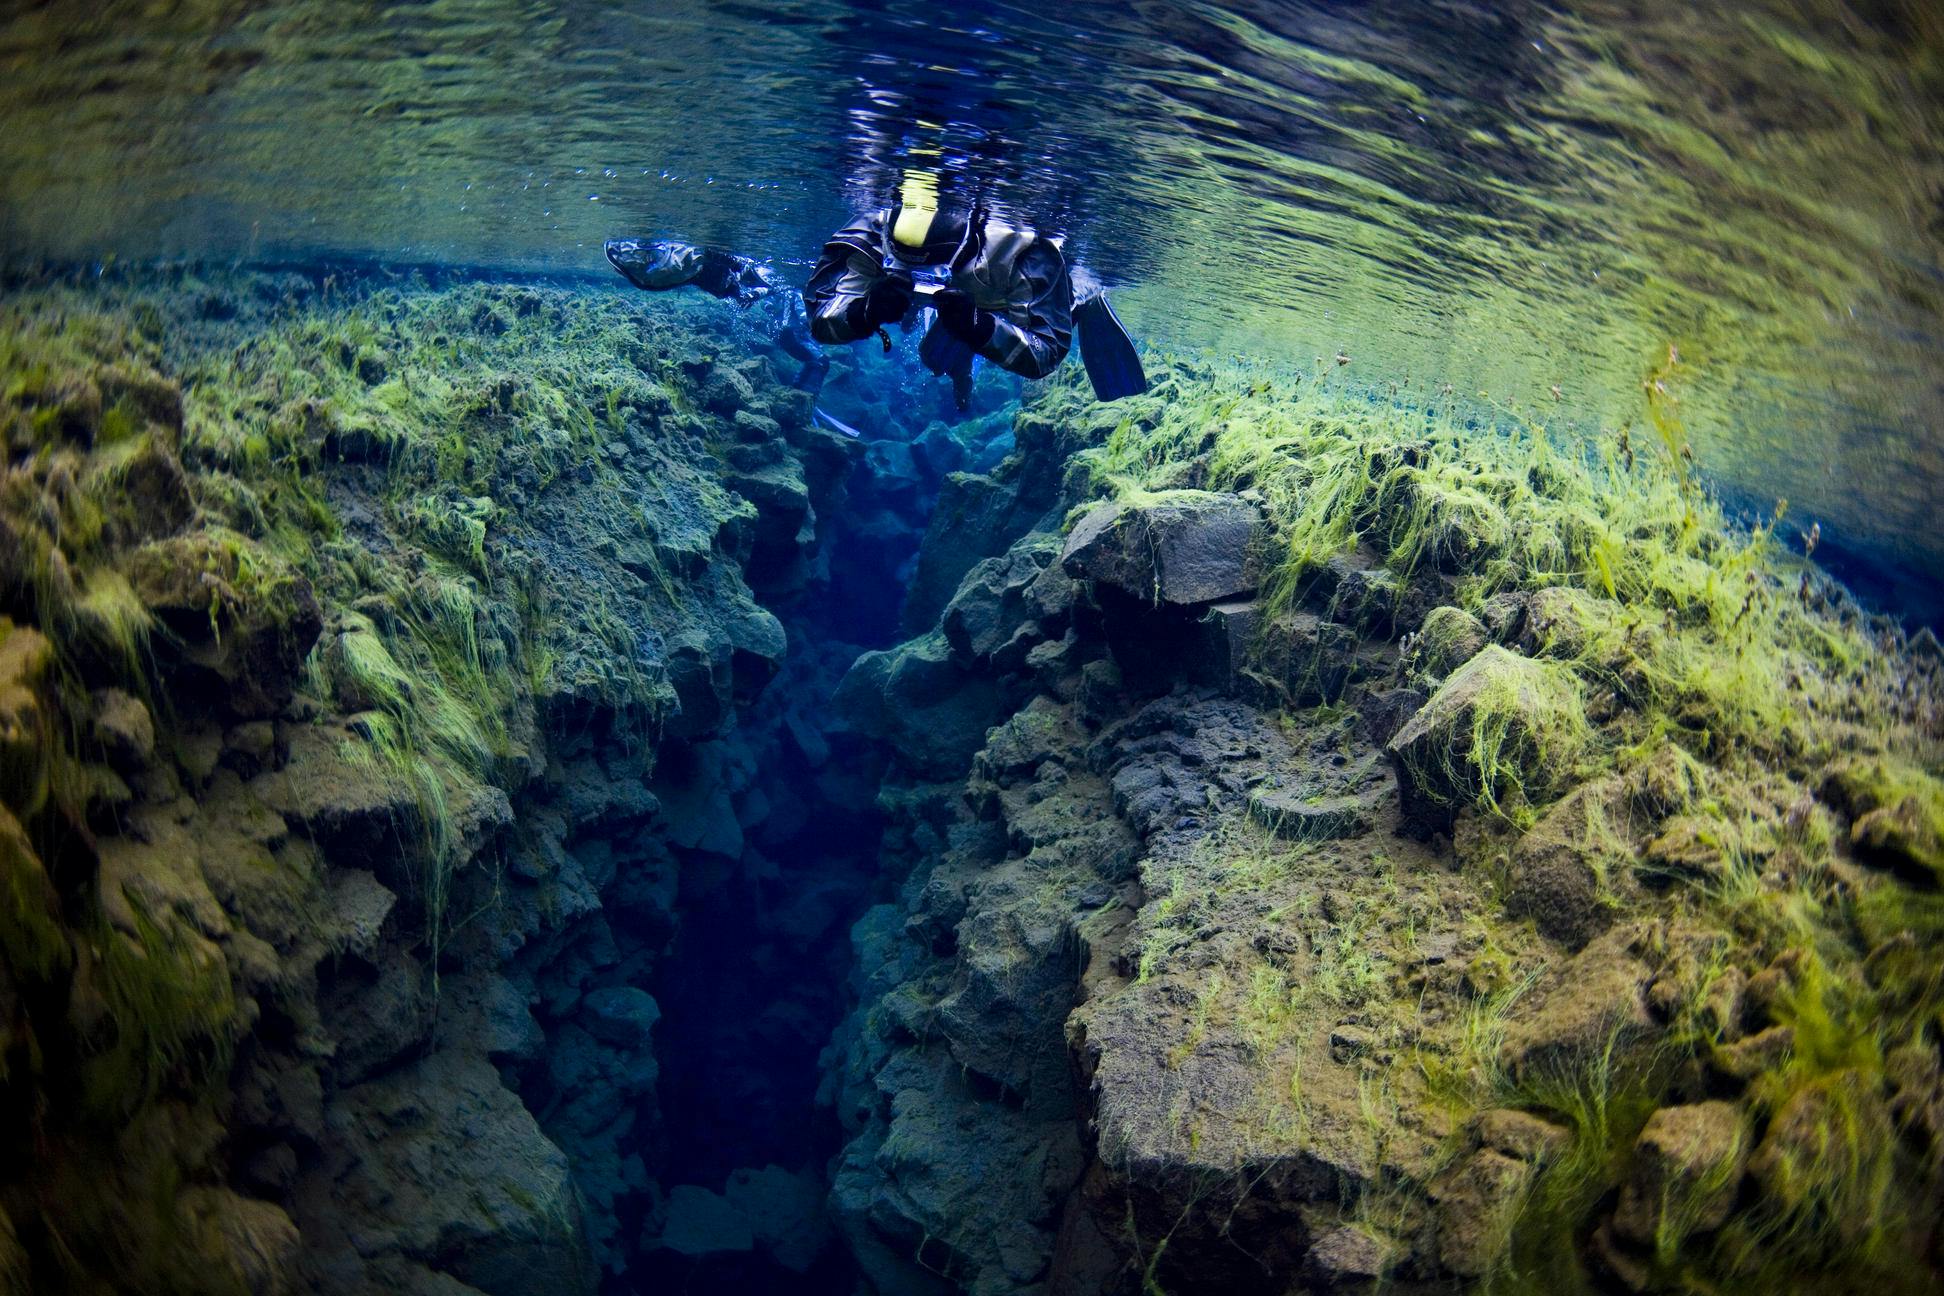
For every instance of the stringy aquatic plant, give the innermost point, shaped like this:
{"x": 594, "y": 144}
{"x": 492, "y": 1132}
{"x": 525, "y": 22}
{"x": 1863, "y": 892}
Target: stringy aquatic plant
{"x": 1716, "y": 658}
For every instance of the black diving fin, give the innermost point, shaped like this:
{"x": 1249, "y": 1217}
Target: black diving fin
{"x": 1113, "y": 365}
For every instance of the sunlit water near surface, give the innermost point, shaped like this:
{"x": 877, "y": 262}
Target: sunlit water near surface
{"x": 1502, "y": 198}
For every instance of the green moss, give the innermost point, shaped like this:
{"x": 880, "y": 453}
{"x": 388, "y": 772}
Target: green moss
{"x": 168, "y": 1016}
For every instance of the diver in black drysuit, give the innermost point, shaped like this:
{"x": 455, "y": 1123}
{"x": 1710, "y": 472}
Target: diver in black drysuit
{"x": 658, "y": 265}
{"x": 996, "y": 290}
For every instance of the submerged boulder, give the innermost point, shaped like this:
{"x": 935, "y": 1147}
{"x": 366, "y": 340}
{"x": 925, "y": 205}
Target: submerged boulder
{"x": 1564, "y": 868}
{"x": 240, "y": 613}
{"x": 1896, "y": 811}
{"x": 1177, "y": 547}
{"x": 1687, "y": 1168}
{"x": 1007, "y": 604}
{"x": 1449, "y": 638}
{"x": 1592, "y": 1006}
{"x": 1503, "y": 731}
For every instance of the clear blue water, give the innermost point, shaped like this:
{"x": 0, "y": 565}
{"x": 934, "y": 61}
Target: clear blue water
{"x": 1503, "y": 198}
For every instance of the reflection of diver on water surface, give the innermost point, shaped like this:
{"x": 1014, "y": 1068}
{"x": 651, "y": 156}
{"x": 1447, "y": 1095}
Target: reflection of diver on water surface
{"x": 996, "y": 290}
{"x": 658, "y": 265}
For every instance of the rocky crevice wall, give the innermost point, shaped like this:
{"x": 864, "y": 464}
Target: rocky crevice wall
{"x": 1204, "y": 975}
{"x": 385, "y": 673}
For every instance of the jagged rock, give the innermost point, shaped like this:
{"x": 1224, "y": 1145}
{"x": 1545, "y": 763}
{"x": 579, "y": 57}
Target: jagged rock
{"x": 1228, "y": 634}
{"x": 975, "y": 517}
{"x": 1827, "y": 1138}
{"x": 510, "y": 1033}
{"x": 1591, "y": 1005}
{"x": 497, "y": 1208}
{"x": 1024, "y": 742}
{"x": 123, "y": 729}
{"x": 1348, "y": 1254}
{"x": 1303, "y": 658}
{"x": 1667, "y": 782}
{"x": 1477, "y": 1201}
{"x": 252, "y": 1242}
{"x": 620, "y": 1015}
{"x": 1520, "y": 1134}
{"x": 379, "y": 1018}
{"x": 1747, "y": 1058}
{"x": 1564, "y": 867}
{"x": 1179, "y": 547}
{"x": 1384, "y": 712}
{"x": 1100, "y": 689}
{"x": 25, "y": 739}
{"x": 1289, "y": 812}
{"x": 1503, "y": 615}
{"x": 148, "y": 491}
{"x": 359, "y": 905}
{"x": 250, "y": 748}
{"x": 1353, "y": 590}
{"x": 1897, "y": 814}
{"x": 1529, "y": 712}
{"x": 240, "y": 613}
{"x": 938, "y": 451}
{"x": 1006, "y": 604}
{"x": 930, "y": 709}
{"x": 1687, "y": 1168}
{"x": 1448, "y": 638}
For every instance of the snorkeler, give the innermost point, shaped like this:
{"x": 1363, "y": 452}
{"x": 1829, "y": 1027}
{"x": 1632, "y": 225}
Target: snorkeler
{"x": 995, "y": 290}
{"x": 658, "y": 265}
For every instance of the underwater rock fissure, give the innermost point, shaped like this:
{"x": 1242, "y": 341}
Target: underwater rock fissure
{"x": 497, "y": 800}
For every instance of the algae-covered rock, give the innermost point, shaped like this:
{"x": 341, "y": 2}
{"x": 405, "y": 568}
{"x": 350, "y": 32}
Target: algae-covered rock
{"x": 1478, "y": 1200}
{"x": 1452, "y": 522}
{"x": 1565, "y": 868}
{"x": 253, "y": 1244}
{"x": 1590, "y": 1006}
{"x": 1687, "y": 1168}
{"x": 1503, "y": 731}
{"x": 1826, "y": 1159}
{"x": 1896, "y": 811}
{"x": 26, "y": 726}
{"x": 1302, "y": 658}
{"x": 1448, "y": 638}
{"x": 123, "y": 728}
{"x": 241, "y": 614}
{"x": 1177, "y": 547}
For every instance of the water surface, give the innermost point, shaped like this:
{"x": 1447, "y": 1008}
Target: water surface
{"x": 1500, "y": 199}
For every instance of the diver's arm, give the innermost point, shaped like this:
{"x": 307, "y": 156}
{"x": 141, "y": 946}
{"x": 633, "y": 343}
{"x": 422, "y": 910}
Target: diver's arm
{"x": 850, "y": 293}
{"x": 1031, "y": 339}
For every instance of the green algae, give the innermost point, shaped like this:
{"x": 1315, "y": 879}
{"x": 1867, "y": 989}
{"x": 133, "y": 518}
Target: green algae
{"x": 1717, "y": 677}
{"x": 378, "y": 461}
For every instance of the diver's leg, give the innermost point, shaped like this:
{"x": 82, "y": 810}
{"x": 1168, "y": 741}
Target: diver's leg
{"x": 810, "y": 378}
{"x": 795, "y": 340}
{"x": 962, "y": 384}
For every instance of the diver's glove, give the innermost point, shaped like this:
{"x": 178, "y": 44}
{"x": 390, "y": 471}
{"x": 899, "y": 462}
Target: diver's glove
{"x": 885, "y": 302}
{"x": 962, "y": 319}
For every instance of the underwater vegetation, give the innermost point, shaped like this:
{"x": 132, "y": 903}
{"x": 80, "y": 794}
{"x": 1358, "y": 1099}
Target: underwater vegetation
{"x": 1326, "y": 845}
{"x": 1532, "y": 870}
{"x": 299, "y": 578}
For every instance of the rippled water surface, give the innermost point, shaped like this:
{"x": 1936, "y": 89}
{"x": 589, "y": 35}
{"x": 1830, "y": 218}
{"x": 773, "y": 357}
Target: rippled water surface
{"x": 1503, "y": 198}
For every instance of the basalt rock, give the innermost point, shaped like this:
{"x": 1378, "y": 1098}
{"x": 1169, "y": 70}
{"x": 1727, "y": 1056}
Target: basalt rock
{"x": 1182, "y": 547}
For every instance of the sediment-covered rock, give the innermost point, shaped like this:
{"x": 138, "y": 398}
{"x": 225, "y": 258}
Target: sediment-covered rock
{"x": 1180, "y": 547}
